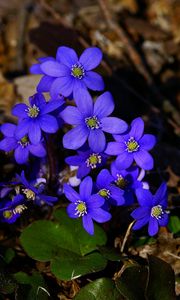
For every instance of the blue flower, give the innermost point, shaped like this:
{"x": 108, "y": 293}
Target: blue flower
{"x": 86, "y": 160}
{"x": 86, "y": 205}
{"x": 33, "y": 193}
{"x": 36, "y": 118}
{"x": 128, "y": 181}
{"x": 106, "y": 189}
{"x": 91, "y": 122}
{"x": 152, "y": 209}
{"x": 69, "y": 74}
{"x": 10, "y": 211}
{"x": 21, "y": 146}
{"x": 133, "y": 146}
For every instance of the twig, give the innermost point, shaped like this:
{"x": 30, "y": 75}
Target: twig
{"x": 126, "y": 236}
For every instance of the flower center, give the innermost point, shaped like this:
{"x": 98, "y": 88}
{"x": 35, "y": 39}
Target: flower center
{"x": 33, "y": 111}
{"x": 7, "y": 214}
{"x": 92, "y": 122}
{"x": 81, "y": 208}
{"x": 132, "y": 145}
{"x": 121, "y": 182}
{"x": 24, "y": 142}
{"x": 157, "y": 212}
{"x": 104, "y": 193}
{"x": 77, "y": 71}
{"x": 93, "y": 160}
{"x": 19, "y": 209}
{"x": 30, "y": 195}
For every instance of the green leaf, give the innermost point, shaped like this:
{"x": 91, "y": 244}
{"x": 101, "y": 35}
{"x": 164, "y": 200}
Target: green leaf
{"x": 100, "y": 289}
{"x": 161, "y": 283}
{"x": 71, "y": 266}
{"x": 111, "y": 254}
{"x": 132, "y": 282}
{"x": 9, "y": 255}
{"x": 66, "y": 244}
{"x": 78, "y": 238}
{"x": 174, "y": 224}
{"x": 38, "y": 288}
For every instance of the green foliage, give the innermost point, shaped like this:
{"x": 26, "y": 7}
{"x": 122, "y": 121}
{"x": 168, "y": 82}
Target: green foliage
{"x": 31, "y": 287}
{"x": 152, "y": 282}
{"x": 70, "y": 249}
{"x": 174, "y": 224}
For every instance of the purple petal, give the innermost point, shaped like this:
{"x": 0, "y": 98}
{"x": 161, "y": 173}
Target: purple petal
{"x": 45, "y": 58}
{"x": 97, "y": 140}
{"x": 124, "y": 160}
{"x": 144, "y": 197}
{"x": 62, "y": 85}
{"x": 95, "y": 201}
{"x": 113, "y": 125}
{"x": 37, "y": 150}
{"x": 71, "y": 211}
{"x": 144, "y": 159}
{"x": 164, "y": 220}
{"x": 44, "y": 84}
{"x": 54, "y": 69}
{"x": 91, "y": 58}
{"x": 70, "y": 193}
{"x": 104, "y": 179}
{"x": 161, "y": 195}
{"x": 88, "y": 224}
{"x": 93, "y": 81}
{"x": 71, "y": 115}
{"x": 117, "y": 195}
{"x": 104, "y": 105}
{"x": 140, "y": 223}
{"x": 67, "y": 56}
{"x": 141, "y": 212}
{"x": 115, "y": 148}
{"x": 19, "y": 110}
{"x": 52, "y": 105}
{"x": 147, "y": 142}
{"x": 22, "y": 128}
{"x": 75, "y": 138}
{"x": 8, "y": 144}
{"x": 8, "y": 129}
{"x": 137, "y": 128}
{"x": 100, "y": 215}
{"x": 34, "y": 133}
{"x": 21, "y": 155}
{"x": 38, "y": 100}
{"x": 82, "y": 98}
{"x": 85, "y": 188}
{"x": 48, "y": 199}
{"x": 83, "y": 170}
{"x": 121, "y": 138}
{"x": 75, "y": 160}
{"x": 153, "y": 226}
{"x": 35, "y": 69}
{"x": 48, "y": 123}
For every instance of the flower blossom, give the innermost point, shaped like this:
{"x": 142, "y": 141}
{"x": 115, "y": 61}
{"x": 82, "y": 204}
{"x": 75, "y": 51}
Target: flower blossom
{"x": 86, "y": 205}
{"x": 152, "y": 209}
{"x": 36, "y": 118}
{"x": 91, "y": 121}
{"x": 133, "y": 146}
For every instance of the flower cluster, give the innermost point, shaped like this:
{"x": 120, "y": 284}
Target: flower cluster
{"x": 101, "y": 140}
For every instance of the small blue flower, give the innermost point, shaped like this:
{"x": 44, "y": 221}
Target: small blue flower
{"x": 152, "y": 209}
{"x": 69, "y": 74}
{"x": 128, "y": 181}
{"x": 33, "y": 193}
{"x": 22, "y": 147}
{"x": 36, "y": 118}
{"x": 91, "y": 121}
{"x": 86, "y": 205}
{"x": 10, "y": 211}
{"x": 133, "y": 146}
{"x": 106, "y": 189}
{"x": 86, "y": 160}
